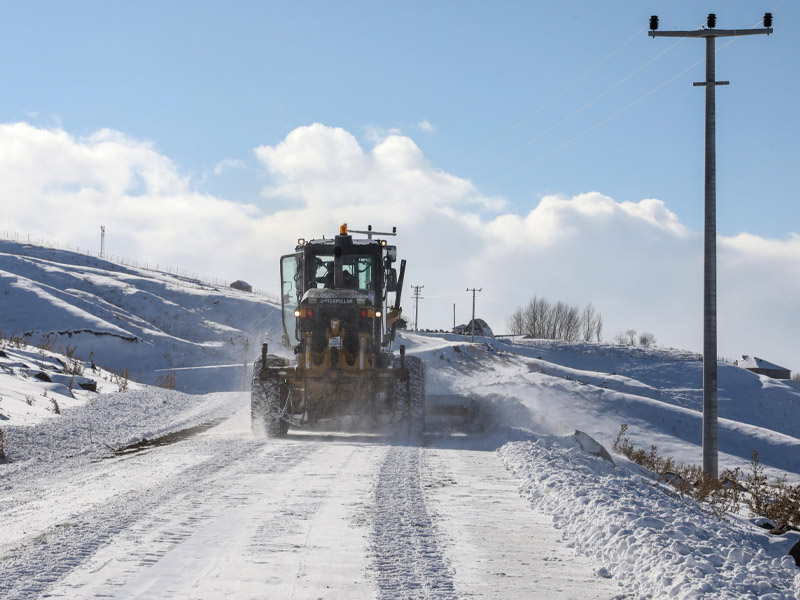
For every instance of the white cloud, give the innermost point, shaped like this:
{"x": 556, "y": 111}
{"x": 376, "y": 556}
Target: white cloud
{"x": 635, "y": 261}
{"x": 426, "y": 127}
{"x": 375, "y": 134}
{"x": 228, "y": 164}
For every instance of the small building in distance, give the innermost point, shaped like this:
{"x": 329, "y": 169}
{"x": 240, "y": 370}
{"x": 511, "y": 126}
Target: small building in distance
{"x": 763, "y": 367}
{"x": 242, "y": 285}
{"x": 482, "y": 329}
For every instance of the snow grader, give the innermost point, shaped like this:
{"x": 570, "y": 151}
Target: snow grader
{"x": 338, "y": 321}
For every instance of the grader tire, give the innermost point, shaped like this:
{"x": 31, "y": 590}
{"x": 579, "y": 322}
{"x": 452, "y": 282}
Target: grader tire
{"x": 411, "y": 394}
{"x": 265, "y": 401}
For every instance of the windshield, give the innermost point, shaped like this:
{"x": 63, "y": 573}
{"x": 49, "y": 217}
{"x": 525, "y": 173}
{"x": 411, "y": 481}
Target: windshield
{"x": 358, "y": 272}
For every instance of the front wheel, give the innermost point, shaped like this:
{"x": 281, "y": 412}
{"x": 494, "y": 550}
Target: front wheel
{"x": 410, "y": 393}
{"x": 266, "y": 401}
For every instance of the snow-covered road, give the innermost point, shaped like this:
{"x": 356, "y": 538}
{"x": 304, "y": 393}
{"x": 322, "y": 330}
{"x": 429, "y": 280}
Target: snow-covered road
{"x": 221, "y": 514}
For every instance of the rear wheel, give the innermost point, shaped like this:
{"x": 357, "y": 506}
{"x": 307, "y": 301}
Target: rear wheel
{"x": 267, "y": 399}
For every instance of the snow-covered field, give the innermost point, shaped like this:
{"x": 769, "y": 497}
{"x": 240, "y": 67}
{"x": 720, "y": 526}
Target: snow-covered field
{"x": 523, "y": 509}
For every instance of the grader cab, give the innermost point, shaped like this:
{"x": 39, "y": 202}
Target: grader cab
{"x": 338, "y": 321}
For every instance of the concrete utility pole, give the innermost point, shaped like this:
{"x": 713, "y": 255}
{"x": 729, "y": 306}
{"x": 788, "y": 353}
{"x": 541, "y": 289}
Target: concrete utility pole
{"x": 472, "y": 323}
{"x": 710, "y": 429}
{"x": 417, "y": 298}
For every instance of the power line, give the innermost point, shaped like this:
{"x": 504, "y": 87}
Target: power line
{"x": 575, "y": 113}
{"x": 530, "y": 116}
{"x": 551, "y": 100}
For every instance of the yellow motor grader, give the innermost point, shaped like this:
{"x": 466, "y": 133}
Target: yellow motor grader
{"x": 338, "y": 320}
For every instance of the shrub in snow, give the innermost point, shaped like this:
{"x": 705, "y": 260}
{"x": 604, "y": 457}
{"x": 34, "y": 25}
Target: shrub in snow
{"x": 731, "y": 492}
{"x": 2, "y": 448}
{"x": 647, "y": 339}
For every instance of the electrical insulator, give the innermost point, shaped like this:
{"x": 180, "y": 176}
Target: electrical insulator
{"x": 767, "y": 20}
{"x": 711, "y": 21}
{"x": 653, "y": 23}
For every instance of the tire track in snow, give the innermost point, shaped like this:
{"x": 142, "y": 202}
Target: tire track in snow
{"x": 32, "y": 568}
{"x": 407, "y": 559}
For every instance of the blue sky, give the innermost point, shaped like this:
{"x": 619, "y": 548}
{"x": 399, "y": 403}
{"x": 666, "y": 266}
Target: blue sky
{"x": 479, "y": 129}
{"x": 207, "y": 82}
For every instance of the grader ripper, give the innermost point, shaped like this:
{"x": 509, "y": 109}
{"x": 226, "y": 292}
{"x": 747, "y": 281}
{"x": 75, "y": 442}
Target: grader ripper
{"x": 334, "y": 305}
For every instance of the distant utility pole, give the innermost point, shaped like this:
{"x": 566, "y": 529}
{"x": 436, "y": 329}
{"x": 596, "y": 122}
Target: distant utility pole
{"x": 244, "y": 364}
{"x": 102, "y": 241}
{"x": 454, "y": 316}
{"x": 710, "y": 429}
{"x": 472, "y": 323}
{"x": 417, "y": 298}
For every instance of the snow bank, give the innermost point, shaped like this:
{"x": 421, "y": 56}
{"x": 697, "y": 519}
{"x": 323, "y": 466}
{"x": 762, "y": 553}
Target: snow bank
{"x": 113, "y": 421}
{"x": 648, "y": 538}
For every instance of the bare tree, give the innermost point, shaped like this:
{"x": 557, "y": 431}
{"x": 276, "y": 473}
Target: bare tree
{"x": 631, "y": 335}
{"x": 588, "y": 323}
{"x": 544, "y": 320}
{"x": 647, "y": 339}
{"x": 621, "y": 339}
{"x": 598, "y": 328}
{"x": 514, "y": 323}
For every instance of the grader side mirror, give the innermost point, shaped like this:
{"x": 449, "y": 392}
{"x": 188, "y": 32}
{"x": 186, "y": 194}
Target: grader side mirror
{"x": 391, "y": 280}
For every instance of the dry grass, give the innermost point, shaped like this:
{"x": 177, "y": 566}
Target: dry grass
{"x": 2, "y": 447}
{"x": 166, "y": 381}
{"x": 732, "y": 491}
{"x": 122, "y": 379}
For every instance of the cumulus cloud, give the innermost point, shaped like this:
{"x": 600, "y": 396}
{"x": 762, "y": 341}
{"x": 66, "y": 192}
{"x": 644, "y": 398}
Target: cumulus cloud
{"x": 635, "y": 261}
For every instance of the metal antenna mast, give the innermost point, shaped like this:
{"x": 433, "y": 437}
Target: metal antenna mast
{"x": 710, "y": 429}
{"x": 472, "y": 323}
{"x": 417, "y": 298}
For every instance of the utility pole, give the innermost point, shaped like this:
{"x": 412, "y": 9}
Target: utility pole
{"x": 102, "y": 241}
{"x": 417, "y": 298}
{"x": 472, "y": 323}
{"x": 710, "y": 429}
{"x": 454, "y": 316}
{"x": 244, "y": 364}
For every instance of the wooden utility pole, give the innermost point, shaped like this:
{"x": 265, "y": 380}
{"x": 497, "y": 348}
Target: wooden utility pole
{"x": 710, "y": 414}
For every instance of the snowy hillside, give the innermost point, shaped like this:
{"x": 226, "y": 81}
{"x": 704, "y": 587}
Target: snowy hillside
{"x": 556, "y": 387}
{"x": 131, "y": 318}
